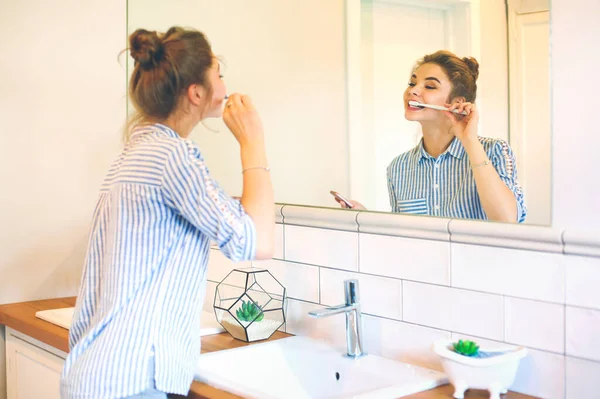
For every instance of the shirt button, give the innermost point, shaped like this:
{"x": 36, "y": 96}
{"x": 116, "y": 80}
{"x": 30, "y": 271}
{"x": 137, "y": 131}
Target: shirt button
{"x": 437, "y": 207}
{"x": 436, "y": 186}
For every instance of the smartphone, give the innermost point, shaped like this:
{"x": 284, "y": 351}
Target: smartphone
{"x": 340, "y": 198}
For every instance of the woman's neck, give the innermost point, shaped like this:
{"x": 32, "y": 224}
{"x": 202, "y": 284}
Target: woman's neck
{"x": 181, "y": 124}
{"x": 436, "y": 138}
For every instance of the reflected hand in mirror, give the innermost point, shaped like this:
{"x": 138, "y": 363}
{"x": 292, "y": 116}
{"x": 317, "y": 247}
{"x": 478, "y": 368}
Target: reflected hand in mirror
{"x": 355, "y": 205}
{"x": 453, "y": 172}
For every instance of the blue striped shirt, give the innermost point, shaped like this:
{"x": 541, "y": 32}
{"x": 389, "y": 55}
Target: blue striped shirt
{"x": 444, "y": 186}
{"x": 144, "y": 277}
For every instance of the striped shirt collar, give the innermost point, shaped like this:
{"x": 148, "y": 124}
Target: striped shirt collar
{"x": 455, "y": 149}
{"x": 159, "y": 128}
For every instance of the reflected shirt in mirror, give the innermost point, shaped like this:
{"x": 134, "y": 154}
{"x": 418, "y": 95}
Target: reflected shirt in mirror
{"x": 420, "y": 184}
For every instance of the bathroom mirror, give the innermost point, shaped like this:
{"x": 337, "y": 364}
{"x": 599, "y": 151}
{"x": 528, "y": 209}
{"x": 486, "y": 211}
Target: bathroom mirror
{"x": 328, "y": 79}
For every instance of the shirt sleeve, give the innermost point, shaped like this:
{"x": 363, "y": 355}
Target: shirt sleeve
{"x": 504, "y": 161}
{"x": 391, "y": 189}
{"x": 197, "y": 197}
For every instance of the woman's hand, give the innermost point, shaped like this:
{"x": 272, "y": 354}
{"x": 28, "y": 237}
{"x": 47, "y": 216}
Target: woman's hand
{"x": 355, "y": 205}
{"x": 241, "y": 118}
{"x": 464, "y": 127}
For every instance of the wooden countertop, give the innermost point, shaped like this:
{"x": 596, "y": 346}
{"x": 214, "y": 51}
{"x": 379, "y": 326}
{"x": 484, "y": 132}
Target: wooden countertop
{"x": 21, "y": 317}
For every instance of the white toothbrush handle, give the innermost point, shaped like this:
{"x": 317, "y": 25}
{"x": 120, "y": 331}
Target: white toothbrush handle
{"x": 447, "y": 109}
{"x": 460, "y": 113}
{"x": 440, "y": 108}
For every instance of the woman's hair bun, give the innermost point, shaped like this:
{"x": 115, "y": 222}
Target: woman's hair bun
{"x": 146, "y": 47}
{"x": 473, "y": 66}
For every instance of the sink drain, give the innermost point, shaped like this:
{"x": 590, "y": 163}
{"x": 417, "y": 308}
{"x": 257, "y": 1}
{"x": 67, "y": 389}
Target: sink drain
{"x": 337, "y": 376}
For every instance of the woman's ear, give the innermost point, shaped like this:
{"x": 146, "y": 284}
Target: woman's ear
{"x": 458, "y": 100}
{"x": 195, "y": 94}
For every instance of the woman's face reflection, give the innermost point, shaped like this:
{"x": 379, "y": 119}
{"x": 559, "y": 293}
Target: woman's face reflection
{"x": 429, "y": 85}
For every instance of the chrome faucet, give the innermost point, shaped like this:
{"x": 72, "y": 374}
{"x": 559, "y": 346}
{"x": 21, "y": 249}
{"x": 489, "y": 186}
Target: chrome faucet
{"x": 353, "y": 317}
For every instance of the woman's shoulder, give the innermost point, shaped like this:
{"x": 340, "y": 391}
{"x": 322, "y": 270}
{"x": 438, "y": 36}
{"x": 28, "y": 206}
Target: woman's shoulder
{"x": 491, "y": 143}
{"x": 164, "y": 144}
{"x": 404, "y": 158}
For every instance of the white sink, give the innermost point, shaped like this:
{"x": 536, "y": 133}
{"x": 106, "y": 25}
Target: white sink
{"x": 299, "y": 367}
{"x": 62, "y": 317}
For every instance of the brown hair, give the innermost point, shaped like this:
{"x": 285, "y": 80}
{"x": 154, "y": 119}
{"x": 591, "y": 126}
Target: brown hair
{"x": 462, "y": 73}
{"x": 165, "y": 66}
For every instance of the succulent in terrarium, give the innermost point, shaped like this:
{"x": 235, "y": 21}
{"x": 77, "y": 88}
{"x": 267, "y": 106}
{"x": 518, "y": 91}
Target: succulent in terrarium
{"x": 466, "y": 348}
{"x": 249, "y": 311}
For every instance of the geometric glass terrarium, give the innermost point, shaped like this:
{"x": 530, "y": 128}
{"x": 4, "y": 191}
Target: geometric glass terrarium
{"x": 249, "y": 304}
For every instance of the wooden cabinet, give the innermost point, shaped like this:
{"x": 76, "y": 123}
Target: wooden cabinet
{"x": 33, "y": 368}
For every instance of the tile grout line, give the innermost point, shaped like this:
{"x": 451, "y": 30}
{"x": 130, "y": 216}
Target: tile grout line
{"x": 319, "y": 288}
{"x": 402, "y": 296}
{"x": 434, "y": 284}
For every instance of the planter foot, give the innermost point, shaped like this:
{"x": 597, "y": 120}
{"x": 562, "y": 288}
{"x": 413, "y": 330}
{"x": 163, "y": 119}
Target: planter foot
{"x": 459, "y": 389}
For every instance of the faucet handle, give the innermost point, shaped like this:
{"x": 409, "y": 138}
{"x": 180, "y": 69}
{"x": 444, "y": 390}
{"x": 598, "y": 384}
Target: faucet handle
{"x": 351, "y": 292}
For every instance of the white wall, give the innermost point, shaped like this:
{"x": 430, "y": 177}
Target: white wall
{"x": 62, "y": 105}
{"x": 492, "y": 85}
{"x": 289, "y": 57}
{"x": 574, "y": 35}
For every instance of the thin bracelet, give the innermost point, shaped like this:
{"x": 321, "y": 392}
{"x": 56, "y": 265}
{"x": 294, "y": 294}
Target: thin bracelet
{"x": 257, "y": 167}
{"x": 486, "y": 162}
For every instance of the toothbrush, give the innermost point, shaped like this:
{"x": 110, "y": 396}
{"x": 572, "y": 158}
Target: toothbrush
{"x": 417, "y": 104}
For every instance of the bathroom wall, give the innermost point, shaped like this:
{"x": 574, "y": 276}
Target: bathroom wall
{"x": 576, "y": 142}
{"x": 457, "y": 279}
{"x": 62, "y": 104}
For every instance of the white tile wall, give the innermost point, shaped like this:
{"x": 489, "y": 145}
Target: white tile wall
{"x": 406, "y": 258}
{"x": 534, "y": 324}
{"x": 402, "y": 341}
{"x": 378, "y": 295}
{"x": 520, "y": 273}
{"x": 330, "y": 248}
{"x": 300, "y": 281}
{"x": 279, "y": 228}
{"x": 583, "y": 276}
{"x": 540, "y": 374}
{"x": 583, "y": 333}
{"x": 582, "y": 379}
{"x": 331, "y": 329}
{"x": 497, "y": 296}
{"x": 454, "y": 310}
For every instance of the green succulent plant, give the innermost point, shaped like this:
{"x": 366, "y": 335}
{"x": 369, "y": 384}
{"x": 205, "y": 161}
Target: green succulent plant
{"x": 466, "y": 348}
{"x": 249, "y": 312}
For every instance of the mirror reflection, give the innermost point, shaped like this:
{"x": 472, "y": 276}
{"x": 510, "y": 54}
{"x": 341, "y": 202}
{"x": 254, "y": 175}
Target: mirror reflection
{"x": 333, "y": 81}
{"x": 453, "y": 171}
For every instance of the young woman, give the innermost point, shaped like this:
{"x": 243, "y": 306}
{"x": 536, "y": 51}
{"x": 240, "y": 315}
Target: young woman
{"x": 452, "y": 172}
{"x": 135, "y": 331}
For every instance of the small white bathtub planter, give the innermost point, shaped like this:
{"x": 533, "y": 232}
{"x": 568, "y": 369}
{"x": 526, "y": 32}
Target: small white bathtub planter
{"x": 494, "y": 371}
